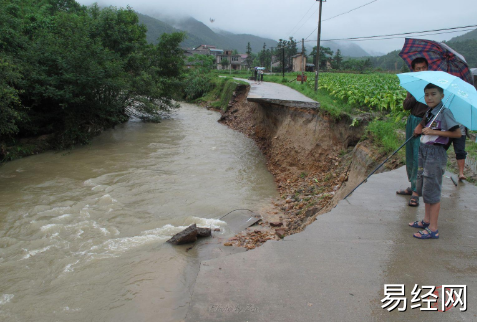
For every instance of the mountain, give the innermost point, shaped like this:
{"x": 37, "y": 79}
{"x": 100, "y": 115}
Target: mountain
{"x": 197, "y": 33}
{"x": 471, "y": 35}
{"x": 390, "y": 61}
{"x": 241, "y": 40}
{"x": 347, "y": 49}
{"x": 155, "y": 28}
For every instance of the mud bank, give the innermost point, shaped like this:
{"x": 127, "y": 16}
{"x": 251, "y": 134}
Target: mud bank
{"x": 315, "y": 160}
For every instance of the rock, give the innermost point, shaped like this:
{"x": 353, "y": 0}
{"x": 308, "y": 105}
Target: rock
{"x": 228, "y": 244}
{"x": 280, "y": 232}
{"x": 188, "y": 235}
{"x": 276, "y": 224}
{"x": 204, "y": 232}
{"x": 217, "y": 229}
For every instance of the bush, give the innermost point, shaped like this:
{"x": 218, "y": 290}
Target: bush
{"x": 386, "y": 134}
{"x": 197, "y": 85}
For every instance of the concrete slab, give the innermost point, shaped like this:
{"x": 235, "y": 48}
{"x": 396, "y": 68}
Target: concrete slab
{"x": 336, "y": 269}
{"x": 273, "y": 93}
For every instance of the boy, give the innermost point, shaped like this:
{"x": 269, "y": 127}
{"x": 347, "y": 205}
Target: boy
{"x": 417, "y": 110}
{"x": 438, "y": 126}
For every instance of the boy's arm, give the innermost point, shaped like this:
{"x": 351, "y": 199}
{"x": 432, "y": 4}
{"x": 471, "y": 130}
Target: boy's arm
{"x": 450, "y": 134}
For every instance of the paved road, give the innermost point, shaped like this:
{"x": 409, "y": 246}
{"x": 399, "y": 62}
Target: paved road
{"x": 336, "y": 269}
{"x": 278, "y": 94}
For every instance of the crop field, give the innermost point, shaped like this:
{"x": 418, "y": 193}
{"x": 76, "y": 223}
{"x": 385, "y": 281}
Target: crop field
{"x": 379, "y": 91}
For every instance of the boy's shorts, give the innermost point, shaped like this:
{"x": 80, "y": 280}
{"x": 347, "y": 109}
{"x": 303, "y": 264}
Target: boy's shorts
{"x": 432, "y": 165}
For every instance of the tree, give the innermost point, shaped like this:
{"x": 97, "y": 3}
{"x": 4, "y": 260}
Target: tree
{"x": 264, "y": 56}
{"x": 73, "y": 70}
{"x": 337, "y": 60}
{"x": 198, "y": 80}
{"x": 325, "y": 56}
{"x": 249, "y": 59}
{"x": 225, "y": 63}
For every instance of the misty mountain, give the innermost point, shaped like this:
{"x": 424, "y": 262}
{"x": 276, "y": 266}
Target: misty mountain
{"x": 199, "y": 34}
{"x": 155, "y": 28}
{"x": 241, "y": 40}
{"x": 347, "y": 49}
{"x": 471, "y": 35}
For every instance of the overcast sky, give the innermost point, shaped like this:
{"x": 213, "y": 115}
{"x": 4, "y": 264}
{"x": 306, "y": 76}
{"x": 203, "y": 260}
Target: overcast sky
{"x": 298, "y": 18}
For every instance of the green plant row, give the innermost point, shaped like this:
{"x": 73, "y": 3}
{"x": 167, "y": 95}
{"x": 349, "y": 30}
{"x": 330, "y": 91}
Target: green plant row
{"x": 379, "y": 91}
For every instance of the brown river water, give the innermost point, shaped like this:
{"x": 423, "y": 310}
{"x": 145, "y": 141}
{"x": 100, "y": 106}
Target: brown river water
{"x": 82, "y": 232}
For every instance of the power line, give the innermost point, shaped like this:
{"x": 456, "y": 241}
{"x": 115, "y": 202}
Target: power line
{"x": 364, "y": 5}
{"x": 379, "y": 37}
{"x": 308, "y": 11}
{"x": 400, "y": 37}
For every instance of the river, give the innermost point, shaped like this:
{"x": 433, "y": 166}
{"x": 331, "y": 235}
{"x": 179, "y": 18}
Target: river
{"x": 82, "y": 232}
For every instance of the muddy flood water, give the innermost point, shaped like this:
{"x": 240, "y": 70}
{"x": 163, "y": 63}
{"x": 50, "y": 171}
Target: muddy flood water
{"x": 82, "y": 232}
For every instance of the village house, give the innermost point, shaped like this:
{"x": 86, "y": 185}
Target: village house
{"x": 201, "y": 50}
{"x": 299, "y": 62}
{"x": 235, "y": 62}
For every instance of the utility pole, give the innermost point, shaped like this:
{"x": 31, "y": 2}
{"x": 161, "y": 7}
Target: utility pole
{"x": 271, "y": 59}
{"x": 283, "y": 62}
{"x": 318, "y": 47}
{"x": 303, "y": 59}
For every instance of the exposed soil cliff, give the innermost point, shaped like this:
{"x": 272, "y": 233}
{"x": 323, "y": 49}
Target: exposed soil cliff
{"x": 315, "y": 160}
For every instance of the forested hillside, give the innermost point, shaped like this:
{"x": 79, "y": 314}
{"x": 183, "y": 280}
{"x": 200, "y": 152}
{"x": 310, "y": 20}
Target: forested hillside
{"x": 68, "y": 71}
{"x": 471, "y": 35}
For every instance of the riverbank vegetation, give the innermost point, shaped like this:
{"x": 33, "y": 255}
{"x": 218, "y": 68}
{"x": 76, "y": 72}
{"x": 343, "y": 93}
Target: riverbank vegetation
{"x": 68, "y": 71}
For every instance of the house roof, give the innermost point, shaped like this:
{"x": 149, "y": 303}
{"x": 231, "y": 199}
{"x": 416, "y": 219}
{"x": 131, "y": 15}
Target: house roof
{"x": 206, "y": 46}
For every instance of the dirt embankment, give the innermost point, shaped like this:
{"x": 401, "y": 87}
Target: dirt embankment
{"x": 315, "y": 160}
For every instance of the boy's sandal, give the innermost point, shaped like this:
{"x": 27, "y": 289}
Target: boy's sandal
{"x": 405, "y": 192}
{"x": 462, "y": 178}
{"x": 427, "y": 234}
{"x": 419, "y": 224}
{"x": 414, "y": 201}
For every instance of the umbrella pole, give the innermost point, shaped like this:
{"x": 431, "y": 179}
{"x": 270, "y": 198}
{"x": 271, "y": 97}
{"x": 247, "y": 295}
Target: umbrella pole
{"x": 379, "y": 166}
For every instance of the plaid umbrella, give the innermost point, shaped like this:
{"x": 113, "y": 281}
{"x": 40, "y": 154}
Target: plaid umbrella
{"x": 439, "y": 56}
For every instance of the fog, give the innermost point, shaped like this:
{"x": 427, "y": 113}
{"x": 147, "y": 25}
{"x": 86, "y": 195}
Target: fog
{"x": 299, "y": 18}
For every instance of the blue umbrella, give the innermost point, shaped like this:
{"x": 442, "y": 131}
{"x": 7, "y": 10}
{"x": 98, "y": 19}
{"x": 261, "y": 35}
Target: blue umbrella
{"x": 459, "y": 96}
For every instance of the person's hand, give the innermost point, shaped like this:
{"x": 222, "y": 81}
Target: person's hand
{"x": 417, "y": 131}
{"x": 427, "y": 131}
